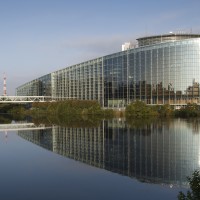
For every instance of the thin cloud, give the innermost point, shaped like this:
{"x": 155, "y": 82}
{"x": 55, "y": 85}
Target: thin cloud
{"x": 95, "y": 44}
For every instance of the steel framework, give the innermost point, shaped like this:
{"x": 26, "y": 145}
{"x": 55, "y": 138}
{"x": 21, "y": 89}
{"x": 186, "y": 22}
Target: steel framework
{"x": 29, "y": 99}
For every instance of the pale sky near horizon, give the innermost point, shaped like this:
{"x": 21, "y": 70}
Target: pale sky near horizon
{"x": 42, "y": 36}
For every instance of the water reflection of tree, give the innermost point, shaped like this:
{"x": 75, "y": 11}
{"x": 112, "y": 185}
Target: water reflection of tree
{"x": 139, "y": 123}
{"x": 194, "y": 124}
{"x": 68, "y": 121}
{"x": 5, "y": 119}
{"x": 152, "y": 150}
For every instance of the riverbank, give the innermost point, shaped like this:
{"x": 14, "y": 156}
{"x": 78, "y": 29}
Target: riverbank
{"x": 139, "y": 109}
{"x": 74, "y": 108}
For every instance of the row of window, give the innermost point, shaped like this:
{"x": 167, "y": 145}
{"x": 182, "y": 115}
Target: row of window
{"x": 142, "y": 73}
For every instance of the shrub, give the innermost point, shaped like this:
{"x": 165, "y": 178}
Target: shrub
{"x": 191, "y": 110}
{"x": 194, "y": 183}
{"x": 139, "y": 109}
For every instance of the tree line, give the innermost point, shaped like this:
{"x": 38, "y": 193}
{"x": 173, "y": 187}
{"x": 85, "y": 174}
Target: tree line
{"x": 139, "y": 109}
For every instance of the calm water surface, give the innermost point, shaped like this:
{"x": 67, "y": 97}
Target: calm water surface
{"x": 115, "y": 160}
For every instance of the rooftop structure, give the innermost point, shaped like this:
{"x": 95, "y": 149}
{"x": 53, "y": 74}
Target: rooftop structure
{"x": 172, "y": 37}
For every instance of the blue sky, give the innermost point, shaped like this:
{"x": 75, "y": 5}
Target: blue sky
{"x": 42, "y": 36}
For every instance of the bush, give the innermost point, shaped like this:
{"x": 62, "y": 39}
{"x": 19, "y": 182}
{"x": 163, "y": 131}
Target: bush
{"x": 191, "y": 110}
{"x": 139, "y": 109}
{"x": 69, "y": 107}
{"x": 194, "y": 183}
{"x": 164, "y": 110}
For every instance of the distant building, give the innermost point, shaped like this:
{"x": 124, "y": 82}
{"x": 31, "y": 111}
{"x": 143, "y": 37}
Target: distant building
{"x": 160, "y": 70}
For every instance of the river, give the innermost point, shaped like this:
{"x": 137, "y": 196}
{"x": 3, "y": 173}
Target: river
{"x": 111, "y": 160}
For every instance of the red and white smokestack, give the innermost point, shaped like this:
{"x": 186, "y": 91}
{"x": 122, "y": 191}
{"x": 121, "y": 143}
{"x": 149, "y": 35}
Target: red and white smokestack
{"x": 4, "y": 85}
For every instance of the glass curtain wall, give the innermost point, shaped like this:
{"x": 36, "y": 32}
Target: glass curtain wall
{"x": 115, "y": 80}
{"x": 38, "y": 87}
{"x": 167, "y": 73}
{"x": 83, "y": 81}
{"x": 161, "y": 73}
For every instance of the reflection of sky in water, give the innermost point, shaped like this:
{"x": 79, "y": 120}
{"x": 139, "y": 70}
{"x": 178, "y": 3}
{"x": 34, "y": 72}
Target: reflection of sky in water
{"x": 31, "y": 172}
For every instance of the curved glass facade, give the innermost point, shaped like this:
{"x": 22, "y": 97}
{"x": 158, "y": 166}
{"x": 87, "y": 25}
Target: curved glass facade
{"x": 156, "y": 72}
{"x": 38, "y": 87}
{"x": 164, "y": 38}
{"x": 165, "y": 73}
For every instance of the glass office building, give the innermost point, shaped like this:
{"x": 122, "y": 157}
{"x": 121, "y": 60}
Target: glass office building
{"x": 38, "y": 87}
{"x": 162, "y": 69}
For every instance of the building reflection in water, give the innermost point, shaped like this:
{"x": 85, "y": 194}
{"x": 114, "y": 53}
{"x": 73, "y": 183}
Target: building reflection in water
{"x": 164, "y": 152}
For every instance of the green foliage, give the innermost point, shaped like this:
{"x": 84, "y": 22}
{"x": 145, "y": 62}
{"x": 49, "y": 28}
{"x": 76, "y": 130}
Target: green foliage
{"x": 14, "y": 109}
{"x": 139, "y": 109}
{"x": 194, "y": 183}
{"x": 190, "y": 110}
{"x": 108, "y": 113}
{"x": 6, "y": 108}
{"x": 69, "y": 107}
{"x": 136, "y": 109}
{"x": 17, "y": 110}
{"x": 75, "y": 121}
{"x": 5, "y": 119}
{"x": 164, "y": 110}
{"x": 138, "y": 123}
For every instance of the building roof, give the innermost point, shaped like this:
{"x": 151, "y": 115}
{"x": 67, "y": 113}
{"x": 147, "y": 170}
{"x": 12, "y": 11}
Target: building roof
{"x": 149, "y": 40}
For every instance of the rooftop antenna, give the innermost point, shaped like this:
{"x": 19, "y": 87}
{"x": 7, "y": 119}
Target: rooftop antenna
{"x": 4, "y": 85}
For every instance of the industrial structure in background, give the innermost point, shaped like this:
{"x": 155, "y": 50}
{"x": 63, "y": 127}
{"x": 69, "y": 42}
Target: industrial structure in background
{"x": 4, "y": 85}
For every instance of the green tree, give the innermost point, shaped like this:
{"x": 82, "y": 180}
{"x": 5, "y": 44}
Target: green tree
{"x": 190, "y": 110}
{"x": 139, "y": 109}
{"x": 194, "y": 193}
{"x": 164, "y": 110}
